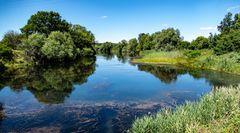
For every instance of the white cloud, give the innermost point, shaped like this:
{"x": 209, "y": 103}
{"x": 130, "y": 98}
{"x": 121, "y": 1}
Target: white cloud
{"x": 104, "y": 17}
{"x": 208, "y": 28}
{"x": 165, "y": 25}
{"x": 233, "y": 8}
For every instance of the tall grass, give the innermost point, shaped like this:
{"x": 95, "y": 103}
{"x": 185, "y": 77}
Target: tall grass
{"x": 217, "y": 112}
{"x": 204, "y": 59}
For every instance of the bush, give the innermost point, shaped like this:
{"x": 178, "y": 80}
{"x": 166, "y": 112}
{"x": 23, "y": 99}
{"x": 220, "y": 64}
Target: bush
{"x": 5, "y": 52}
{"x": 87, "y": 52}
{"x": 12, "y": 39}
{"x": 59, "y": 46}
{"x": 2, "y": 66}
{"x": 200, "y": 43}
{"x": 192, "y": 54}
{"x": 33, "y": 46}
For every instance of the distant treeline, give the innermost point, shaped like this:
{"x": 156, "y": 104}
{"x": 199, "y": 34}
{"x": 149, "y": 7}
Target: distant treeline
{"x": 46, "y": 38}
{"x": 228, "y": 40}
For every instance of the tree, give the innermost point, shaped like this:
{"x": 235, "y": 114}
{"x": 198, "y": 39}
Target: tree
{"x": 5, "y": 52}
{"x": 106, "y": 48}
{"x": 145, "y": 42}
{"x": 183, "y": 45}
{"x": 212, "y": 39}
{"x": 236, "y": 21}
{"x": 59, "y": 46}
{"x": 226, "y": 24}
{"x": 132, "y": 47}
{"x": 121, "y": 47}
{"x": 166, "y": 39}
{"x": 82, "y": 38}
{"x": 33, "y": 46}
{"x": 200, "y": 43}
{"x": 44, "y": 23}
{"x": 12, "y": 39}
{"x": 228, "y": 42}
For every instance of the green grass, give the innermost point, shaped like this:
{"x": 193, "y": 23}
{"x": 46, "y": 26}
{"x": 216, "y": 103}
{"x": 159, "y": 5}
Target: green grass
{"x": 217, "y": 112}
{"x": 204, "y": 59}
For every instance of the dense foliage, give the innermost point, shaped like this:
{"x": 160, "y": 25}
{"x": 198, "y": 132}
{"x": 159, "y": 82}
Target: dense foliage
{"x": 47, "y": 38}
{"x": 227, "y": 40}
{"x": 44, "y": 23}
{"x": 59, "y": 46}
{"x": 33, "y": 46}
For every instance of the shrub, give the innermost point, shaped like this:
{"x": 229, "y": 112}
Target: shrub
{"x": 5, "y": 52}
{"x": 87, "y": 52}
{"x": 200, "y": 43}
{"x": 59, "y": 46}
{"x": 33, "y": 46}
{"x": 192, "y": 54}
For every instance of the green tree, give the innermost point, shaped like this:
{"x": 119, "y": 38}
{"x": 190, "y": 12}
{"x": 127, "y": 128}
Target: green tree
{"x": 44, "y": 23}
{"x": 6, "y": 53}
{"x": 132, "y": 47}
{"x": 236, "y": 21}
{"x": 200, "y": 43}
{"x": 33, "y": 46}
{"x": 83, "y": 39}
{"x": 226, "y": 24}
{"x": 228, "y": 42}
{"x": 12, "y": 39}
{"x": 145, "y": 42}
{"x": 167, "y": 39}
{"x": 59, "y": 46}
{"x": 121, "y": 47}
{"x": 106, "y": 48}
{"x": 183, "y": 45}
{"x": 212, "y": 39}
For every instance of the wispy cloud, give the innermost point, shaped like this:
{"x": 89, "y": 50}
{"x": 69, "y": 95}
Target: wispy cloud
{"x": 164, "y": 25}
{"x": 233, "y": 8}
{"x": 104, "y": 17}
{"x": 209, "y": 28}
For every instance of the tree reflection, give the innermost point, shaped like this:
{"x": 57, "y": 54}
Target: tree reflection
{"x": 165, "y": 73}
{"x": 51, "y": 84}
{"x": 169, "y": 74}
{"x": 1, "y": 112}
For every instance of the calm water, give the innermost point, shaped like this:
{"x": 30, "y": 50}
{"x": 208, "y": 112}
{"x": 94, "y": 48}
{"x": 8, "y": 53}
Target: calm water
{"x": 97, "y": 95}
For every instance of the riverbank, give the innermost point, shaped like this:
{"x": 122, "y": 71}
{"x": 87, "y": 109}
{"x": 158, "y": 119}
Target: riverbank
{"x": 215, "y": 112}
{"x": 203, "y": 59}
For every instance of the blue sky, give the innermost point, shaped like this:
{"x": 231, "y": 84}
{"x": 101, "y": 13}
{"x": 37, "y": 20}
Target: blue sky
{"x": 114, "y": 20}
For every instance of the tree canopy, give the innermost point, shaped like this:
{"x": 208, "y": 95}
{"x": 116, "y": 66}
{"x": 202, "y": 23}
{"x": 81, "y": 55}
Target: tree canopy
{"x": 59, "y": 46}
{"x": 44, "y": 23}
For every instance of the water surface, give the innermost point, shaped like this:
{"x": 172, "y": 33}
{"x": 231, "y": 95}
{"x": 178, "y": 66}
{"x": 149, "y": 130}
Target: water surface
{"x": 97, "y": 95}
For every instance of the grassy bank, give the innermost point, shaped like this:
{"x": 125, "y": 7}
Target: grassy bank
{"x": 217, "y": 112}
{"x": 204, "y": 59}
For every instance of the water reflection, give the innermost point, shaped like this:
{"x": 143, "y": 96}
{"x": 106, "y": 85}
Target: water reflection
{"x": 169, "y": 74}
{"x": 1, "y": 113}
{"x": 51, "y": 84}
